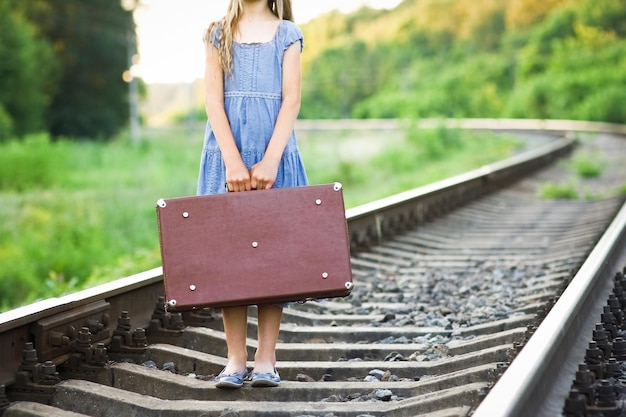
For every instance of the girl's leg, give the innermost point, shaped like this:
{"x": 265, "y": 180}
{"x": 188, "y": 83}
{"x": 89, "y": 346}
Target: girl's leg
{"x": 236, "y": 328}
{"x": 269, "y": 326}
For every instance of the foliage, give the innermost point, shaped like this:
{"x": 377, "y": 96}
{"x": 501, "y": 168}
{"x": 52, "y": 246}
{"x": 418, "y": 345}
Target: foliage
{"x": 72, "y": 54}
{"x": 552, "y": 190}
{"x": 351, "y": 84}
{"x": 587, "y": 165}
{"x": 27, "y": 69}
{"x": 562, "y": 59}
{"x": 6, "y": 124}
{"x": 86, "y": 215}
{"x": 33, "y": 163}
{"x": 87, "y": 211}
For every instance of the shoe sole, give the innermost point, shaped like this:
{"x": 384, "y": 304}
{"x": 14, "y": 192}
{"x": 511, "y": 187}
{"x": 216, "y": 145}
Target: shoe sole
{"x": 230, "y": 385}
{"x": 264, "y": 383}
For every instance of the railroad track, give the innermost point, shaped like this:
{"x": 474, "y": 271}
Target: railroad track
{"x": 451, "y": 282}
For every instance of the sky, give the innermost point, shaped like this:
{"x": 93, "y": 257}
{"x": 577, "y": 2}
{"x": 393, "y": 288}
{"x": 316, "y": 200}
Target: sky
{"x": 170, "y": 33}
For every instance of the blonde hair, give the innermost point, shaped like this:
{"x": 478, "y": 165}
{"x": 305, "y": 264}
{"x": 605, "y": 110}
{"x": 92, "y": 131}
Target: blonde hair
{"x": 228, "y": 26}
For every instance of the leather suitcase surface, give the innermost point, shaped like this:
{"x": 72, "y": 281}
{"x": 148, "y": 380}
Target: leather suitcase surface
{"x": 255, "y": 247}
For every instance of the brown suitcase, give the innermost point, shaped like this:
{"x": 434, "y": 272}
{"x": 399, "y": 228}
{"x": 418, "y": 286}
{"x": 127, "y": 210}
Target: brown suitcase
{"x": 255, "y": 247}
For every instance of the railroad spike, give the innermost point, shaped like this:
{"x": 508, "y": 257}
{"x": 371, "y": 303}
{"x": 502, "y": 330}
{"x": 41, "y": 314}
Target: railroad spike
{"x": 34, "y": 381}
{"x": 127, "y": 343}
{"x": 593, "y": 359}
{"x": 601, "y": 337}
{"x": 583, "y": 383}
{"x": 619, "y": 349}
{"x": 201, "y": 318}
{"x": 164, "y": 325}
{"x": 575, "y": 405}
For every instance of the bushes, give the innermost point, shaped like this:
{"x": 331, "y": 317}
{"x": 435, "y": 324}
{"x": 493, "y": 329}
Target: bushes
{"x": 31, "y": 164}
{"x": 6, "y": 124}
{"x": 27, "y": 69}
{"x": 559, "y": 60}
{"x": 73, "y": 212}
{"x": 604, "y": 105}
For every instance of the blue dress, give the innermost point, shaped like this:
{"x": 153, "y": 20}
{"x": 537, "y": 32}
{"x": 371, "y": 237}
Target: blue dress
{"x": 252, "y": 100}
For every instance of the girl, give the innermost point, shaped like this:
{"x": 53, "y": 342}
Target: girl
{"x": 253, "y": 78}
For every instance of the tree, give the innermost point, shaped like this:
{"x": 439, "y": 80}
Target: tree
{"x": 522, "y": 14}
{"x": 92, "y": 41}
{"x": 27, "y": 70}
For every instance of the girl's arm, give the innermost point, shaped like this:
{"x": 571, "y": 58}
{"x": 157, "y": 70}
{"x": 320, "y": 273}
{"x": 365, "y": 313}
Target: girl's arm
{"x": 264, "y": 173}
{"x": 237, "y": 175}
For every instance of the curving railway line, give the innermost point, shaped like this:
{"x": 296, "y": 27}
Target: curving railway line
{"x": 473, "y": 296}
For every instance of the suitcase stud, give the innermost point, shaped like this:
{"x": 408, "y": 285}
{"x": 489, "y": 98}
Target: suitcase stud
{"x": 325, "y": 275}
{"x": 186, "y": 215}
{"x": 337, "y": 187}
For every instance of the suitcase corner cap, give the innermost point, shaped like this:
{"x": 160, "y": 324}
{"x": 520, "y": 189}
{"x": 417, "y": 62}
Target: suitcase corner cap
{"x": 338, "y": 186}
{"x": 161, "y": 203}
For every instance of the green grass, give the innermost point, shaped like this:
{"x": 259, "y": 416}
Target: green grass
{"x": 587, "y": 165}
{"x": 75, "y": 214}
{"x": 584, "y": 166}
{"x": 554, "y": 191}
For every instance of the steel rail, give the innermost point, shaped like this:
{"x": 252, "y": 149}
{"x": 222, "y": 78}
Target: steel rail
{"x": 371, "y": 222}
{"x": 531, "y": 387}
{"x": 536, "y": 125}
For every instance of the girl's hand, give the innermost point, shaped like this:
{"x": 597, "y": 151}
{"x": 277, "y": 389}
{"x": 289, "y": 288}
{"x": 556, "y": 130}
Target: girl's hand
{"x": 238, "y": 178}
{"x": 263, "y": 175}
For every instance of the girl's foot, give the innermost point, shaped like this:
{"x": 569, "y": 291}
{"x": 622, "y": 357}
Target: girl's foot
{"x": 233, "y": 380}
{"x": 268, "y": 379}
